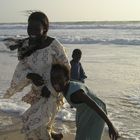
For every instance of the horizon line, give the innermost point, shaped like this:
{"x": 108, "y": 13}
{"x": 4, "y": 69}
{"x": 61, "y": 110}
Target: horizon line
{"x": 76, "y": 21}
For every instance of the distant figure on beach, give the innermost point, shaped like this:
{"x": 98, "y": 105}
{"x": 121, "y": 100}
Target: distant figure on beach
{"x": 36, "y": 54}
{"x": 90, "y": 110}
{"x": 77, "y": 71}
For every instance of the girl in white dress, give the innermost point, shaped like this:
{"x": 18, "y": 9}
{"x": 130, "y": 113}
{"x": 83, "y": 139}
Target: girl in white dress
{"x": 36, "y": 54}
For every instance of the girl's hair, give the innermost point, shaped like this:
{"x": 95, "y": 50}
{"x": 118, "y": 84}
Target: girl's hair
{"x": 61, "y": 67}
{"x": 40, "y": 16}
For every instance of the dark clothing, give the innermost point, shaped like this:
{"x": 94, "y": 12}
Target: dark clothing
{"x": 77, "y": 71}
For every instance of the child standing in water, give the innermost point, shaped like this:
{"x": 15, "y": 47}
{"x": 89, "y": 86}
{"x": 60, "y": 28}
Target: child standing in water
{"x": 90, "y": 110}
{"x": 77, "y": 71}
{"x": 36, "y": 54}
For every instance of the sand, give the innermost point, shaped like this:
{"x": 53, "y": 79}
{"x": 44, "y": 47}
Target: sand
{"x": 12, "y": 132}
{"x": 16, "y": 135}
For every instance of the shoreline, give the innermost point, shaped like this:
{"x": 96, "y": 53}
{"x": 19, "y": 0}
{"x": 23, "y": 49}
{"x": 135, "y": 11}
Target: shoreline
{"x": 15, "y": 135}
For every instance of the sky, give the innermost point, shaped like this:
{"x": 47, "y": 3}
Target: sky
{"x": 71, "y": 10}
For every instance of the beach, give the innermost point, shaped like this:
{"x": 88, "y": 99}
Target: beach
{"x": 12, "y": 131}
{"x": 111, "y": 65}
{"x": 110, "y": 79}
{"x": 16, "y": 135}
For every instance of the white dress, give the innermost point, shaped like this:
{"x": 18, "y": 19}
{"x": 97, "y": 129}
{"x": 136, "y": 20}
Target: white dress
{"x": 42, "y": 111}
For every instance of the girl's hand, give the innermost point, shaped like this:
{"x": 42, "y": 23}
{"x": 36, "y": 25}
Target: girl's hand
{"x": 113, "y": 133}
{"x": 35, "y": 78}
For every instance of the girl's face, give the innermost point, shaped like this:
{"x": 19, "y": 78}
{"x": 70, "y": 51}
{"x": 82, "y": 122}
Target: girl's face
{"x": 35, "y": 29}
{"x": 59, "y": 81}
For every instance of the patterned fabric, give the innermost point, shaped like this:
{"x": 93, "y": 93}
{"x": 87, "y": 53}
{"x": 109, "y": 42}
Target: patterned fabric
{"x": 33, "y": 95}
{"x": 42, "y": 110}
{"x": 89, "y": 124}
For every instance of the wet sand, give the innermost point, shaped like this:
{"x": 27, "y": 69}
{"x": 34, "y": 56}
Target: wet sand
{"x": 15, "y": 135}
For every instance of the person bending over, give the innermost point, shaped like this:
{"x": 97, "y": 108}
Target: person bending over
{"x": 91, "y": 113}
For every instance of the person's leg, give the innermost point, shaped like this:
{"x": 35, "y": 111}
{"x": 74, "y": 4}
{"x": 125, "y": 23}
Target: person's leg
{"x": 55, "y": 104}
{"x": 40, "y": 133}
{"x": 35, "y": 121}
{"x": 39, "y": 118}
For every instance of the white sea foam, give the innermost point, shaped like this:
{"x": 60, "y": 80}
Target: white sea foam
{"x": 123, "y": 33}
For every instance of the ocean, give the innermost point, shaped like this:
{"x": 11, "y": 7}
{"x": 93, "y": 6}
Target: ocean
{"x": 111, "y": 60}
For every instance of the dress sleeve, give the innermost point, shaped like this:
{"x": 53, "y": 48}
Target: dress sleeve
{"x": 19, "y": 80}
{"x": 60, "y": 55}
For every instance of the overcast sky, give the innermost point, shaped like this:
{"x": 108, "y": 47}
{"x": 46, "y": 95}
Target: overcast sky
{"x": 71, "y": 10}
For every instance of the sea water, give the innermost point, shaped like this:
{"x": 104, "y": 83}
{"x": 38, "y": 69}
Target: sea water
{"x": 111, "y": 60}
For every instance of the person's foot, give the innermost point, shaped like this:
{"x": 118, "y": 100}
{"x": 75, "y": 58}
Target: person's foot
{"x": 57, "y": 136}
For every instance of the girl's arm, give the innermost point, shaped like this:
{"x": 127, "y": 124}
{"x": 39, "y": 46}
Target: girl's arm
{"x": 79, "y": 96}
{"x": 82, "y": 73}
{"x": 19, "y": 80}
